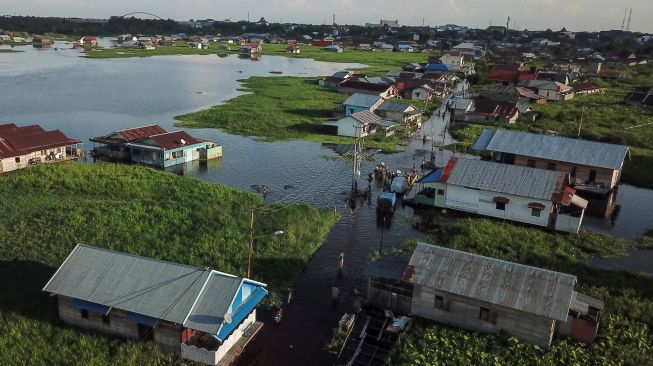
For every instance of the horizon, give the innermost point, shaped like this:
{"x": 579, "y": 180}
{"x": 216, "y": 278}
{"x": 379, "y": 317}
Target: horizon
{"x": 579, "y": 15}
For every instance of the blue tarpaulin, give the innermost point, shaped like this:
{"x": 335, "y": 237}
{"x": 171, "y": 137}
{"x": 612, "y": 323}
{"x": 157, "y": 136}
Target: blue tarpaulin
{"x": 90, "y": 306}
{"x": 141, "y": 319}
{"x": 242, "y": 312}
{"x": 432, "y": 177}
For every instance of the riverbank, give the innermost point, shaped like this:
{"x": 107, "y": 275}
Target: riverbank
{"x": 49, "y": 209}
{"x": 624, "y": 334}
{"x": 280, "y": 108}
{"x": 378, "y": 63}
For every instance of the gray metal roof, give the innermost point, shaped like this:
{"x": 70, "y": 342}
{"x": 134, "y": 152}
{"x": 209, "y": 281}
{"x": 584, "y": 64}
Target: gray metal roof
{"x": 362, "y": 100}
{"x": 516, "y": 286}
{"x": 366, "y": 117}
{"x": 388, "y": 267}
{"x": 146, "y": 286}
{"x": 503, "y": 178}
{"x": 581, "y": 152}
{"x": 389, "y": 106}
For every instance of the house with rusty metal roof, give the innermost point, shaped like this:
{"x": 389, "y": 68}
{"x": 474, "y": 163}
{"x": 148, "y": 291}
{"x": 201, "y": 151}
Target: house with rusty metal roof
{"x": 153, "y": 145}
{"x": 351, "y": 86}
{"x": 201, "y": 314}
{"x": 592, "y": 165}
{"x": 21, "y": 146}
{"x": 515, "y": 193}
{"x": 490, "y": 295}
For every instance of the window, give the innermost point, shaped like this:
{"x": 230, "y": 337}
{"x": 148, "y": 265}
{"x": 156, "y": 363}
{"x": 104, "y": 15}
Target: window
{"x": 535, "y": 212}
{"x": 440, "y": 192}
{"x": 18, "y": 159}
{"x": 84, "y": 313}
{"x": 530, "y": 163}
{"x": 178, "y": 154}
{"x": 501, "y": 206}
{"x": 439, "y": 302}
{"x": 573, "y": 171}
{"x": 551, "y": 166}
{"x": 484, "y": 314}
{"x": 43, "y": 152}
{"x": 417, "y": 94}
{"x": 106, "y": 319}
{"x": 592, "y": 175}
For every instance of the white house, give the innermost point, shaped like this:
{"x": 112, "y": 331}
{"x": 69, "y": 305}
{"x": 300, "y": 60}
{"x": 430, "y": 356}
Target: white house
{"x": 454, "y": 59}
{"x": 551, "y": 90}
{"x": 358, "y": 124}
{"x": 529, "y": 195}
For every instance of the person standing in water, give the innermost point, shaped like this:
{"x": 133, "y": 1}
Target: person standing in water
{"x": 341, "y": 261}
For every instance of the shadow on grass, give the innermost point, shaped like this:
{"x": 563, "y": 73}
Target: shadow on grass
{"x": 20, "y": 289}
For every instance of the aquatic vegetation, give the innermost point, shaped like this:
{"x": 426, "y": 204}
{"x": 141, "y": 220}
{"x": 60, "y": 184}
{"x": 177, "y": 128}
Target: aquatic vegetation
{"x": 49, "y": 209}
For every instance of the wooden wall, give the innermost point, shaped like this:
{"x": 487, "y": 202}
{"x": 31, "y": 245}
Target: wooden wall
{"x": 608, "y": 177}
{"x": 464, "y": 313}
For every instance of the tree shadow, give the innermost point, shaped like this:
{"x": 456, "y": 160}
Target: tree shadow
{"x": 21, "y": 289}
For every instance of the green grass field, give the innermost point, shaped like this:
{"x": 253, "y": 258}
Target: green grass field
{"x": 49, "y": 209}
{"x": 625, "y": 336}
{"x": 279, "y": 108}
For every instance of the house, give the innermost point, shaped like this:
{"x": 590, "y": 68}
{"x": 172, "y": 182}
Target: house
{"x": 489, "y": 295}
{"x": 200, "y": 314}
{"x": 405, "y": 48}
{"x": 351, "y": 86}
{"x": 508, "y": 75}
{"x": 438, "y": 68}
{"x": 365, "y": 47}
{"x": 333, "y": 81}
{"x": 412, "y": 67}
{"x": 384, "y": 23}
{"x": 29, "y": 145}
{"x": 400, "y": 112}
{"x": 42, "y": 41}
{"x": 512, "y": 94}
{"x": 587, "y": 87}
{"x": 334, "y": 48}
{"x": 509, "y": 192}
{"x": 470, "y": 50}
{"x": 386, "y": 288}
{"x": 152, "y": 145}
{"x": 358, "y": 124}
{"x": 589, "y": 163}
{"x": 88, "y": 41}
{"x": 453, "y": 59}
{"x": 4, "y": 38}
{"x": 361, "y": 102}
{"x": 551, "y": 90}
{"x": 486, "y": 110}
{"x": 294, "y": 49}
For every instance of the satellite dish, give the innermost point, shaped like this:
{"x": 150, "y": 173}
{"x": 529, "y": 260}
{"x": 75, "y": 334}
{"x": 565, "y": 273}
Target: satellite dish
{"x": 228, "y": 318}
{"x": 183, "y": 142}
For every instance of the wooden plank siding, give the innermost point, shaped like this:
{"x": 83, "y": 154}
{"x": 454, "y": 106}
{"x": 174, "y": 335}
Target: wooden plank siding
{"x": 608, "y": 177}
{"x": 463, "y": 312}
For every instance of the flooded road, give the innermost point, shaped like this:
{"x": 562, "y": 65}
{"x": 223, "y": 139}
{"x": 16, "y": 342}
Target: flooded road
{"x": 87, "y": 97}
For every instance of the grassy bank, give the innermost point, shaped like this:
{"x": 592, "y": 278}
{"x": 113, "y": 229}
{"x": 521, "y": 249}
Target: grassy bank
{"x": 378, "y": 63}
{"x": 48, "y": 209}
{"x": 625, "y": 336}
{"x": 279, "y": 108}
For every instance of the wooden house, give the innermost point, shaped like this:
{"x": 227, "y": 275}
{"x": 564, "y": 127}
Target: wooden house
{"x": 350, "y": 87}
{"x": 489, "y": 295}
{"x": 361, "y": 102}
{"x": 386, "y": 288}
{"x": 528, "y": 195}
{"x": 358, "y": 124}
{"x": 201, "y": 314}
{"x": 402, "y": 113}
{"x": 590, "y": 164}
{"x": 551, "y": 90}
{"x": 28, "y": 145}
{"x": 485, "y": 110}
{"x": 153, "y": 145}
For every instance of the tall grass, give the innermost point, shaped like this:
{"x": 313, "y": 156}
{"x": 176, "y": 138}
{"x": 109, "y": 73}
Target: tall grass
{"x": 49, "y": 209}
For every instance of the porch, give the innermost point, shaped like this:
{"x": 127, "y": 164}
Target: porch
{"x": 205, "y": 348}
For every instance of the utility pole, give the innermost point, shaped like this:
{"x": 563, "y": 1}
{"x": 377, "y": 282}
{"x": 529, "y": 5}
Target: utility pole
{"x": 334, "y": 19}
{"x": 582, "y": 112}
{"x": 251, "y": 244}
{"x": 357, "y": 158}
{"x": 247, "y": 17}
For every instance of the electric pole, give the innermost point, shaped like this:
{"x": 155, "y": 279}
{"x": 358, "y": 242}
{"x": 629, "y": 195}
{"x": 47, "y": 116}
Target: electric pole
{"x": 629, "y": 16}
{"x": 357, "y": 159}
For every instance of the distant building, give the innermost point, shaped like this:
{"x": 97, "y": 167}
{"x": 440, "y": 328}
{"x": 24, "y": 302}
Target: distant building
{"x": 384, "y": 23}
{"x": 198, "y": 313}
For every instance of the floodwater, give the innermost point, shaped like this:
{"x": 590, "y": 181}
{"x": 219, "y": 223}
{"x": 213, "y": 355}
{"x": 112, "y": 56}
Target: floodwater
{"x": 89, "y": 97}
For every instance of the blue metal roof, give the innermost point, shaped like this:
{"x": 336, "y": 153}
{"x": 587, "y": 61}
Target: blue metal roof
{"x": 242, "y": 312}
{"x": 484, "y": 140}
{"x": 432, "y": 177}
{"x": 438, "y": 67}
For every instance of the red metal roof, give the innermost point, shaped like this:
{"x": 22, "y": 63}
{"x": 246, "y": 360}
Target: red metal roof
{"x": 172, "y": 140}
{"x": 447, "y": 169}
{"x": 18, "y": 145}
{"x": 130, "y": 134}
{"x": 361, "y": 85}
{"x": 13, "y": 130}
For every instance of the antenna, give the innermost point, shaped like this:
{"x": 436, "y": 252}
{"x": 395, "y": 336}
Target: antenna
{"x": 623, "y": 22}
{"x": 629, "y": 16}
{"x": 334, "y": 19}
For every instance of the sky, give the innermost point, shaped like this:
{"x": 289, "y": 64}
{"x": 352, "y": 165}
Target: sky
{"x": 575, "y": 15}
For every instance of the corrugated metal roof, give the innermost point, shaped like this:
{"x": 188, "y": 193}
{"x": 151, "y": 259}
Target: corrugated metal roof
{"x": 389, "y": 106}
{"x": 362, "y": 100}
{"x": 581, "y": 152}
{"x": 22, "y": 144}
{"x": 483, "y": 140}
{"x": 146, "y": 286}
{"x": 391, "y": 267}
{"x": 516, "y": 286}
{"x": 503, "y": 178}
{"x": 366, "y": 117}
